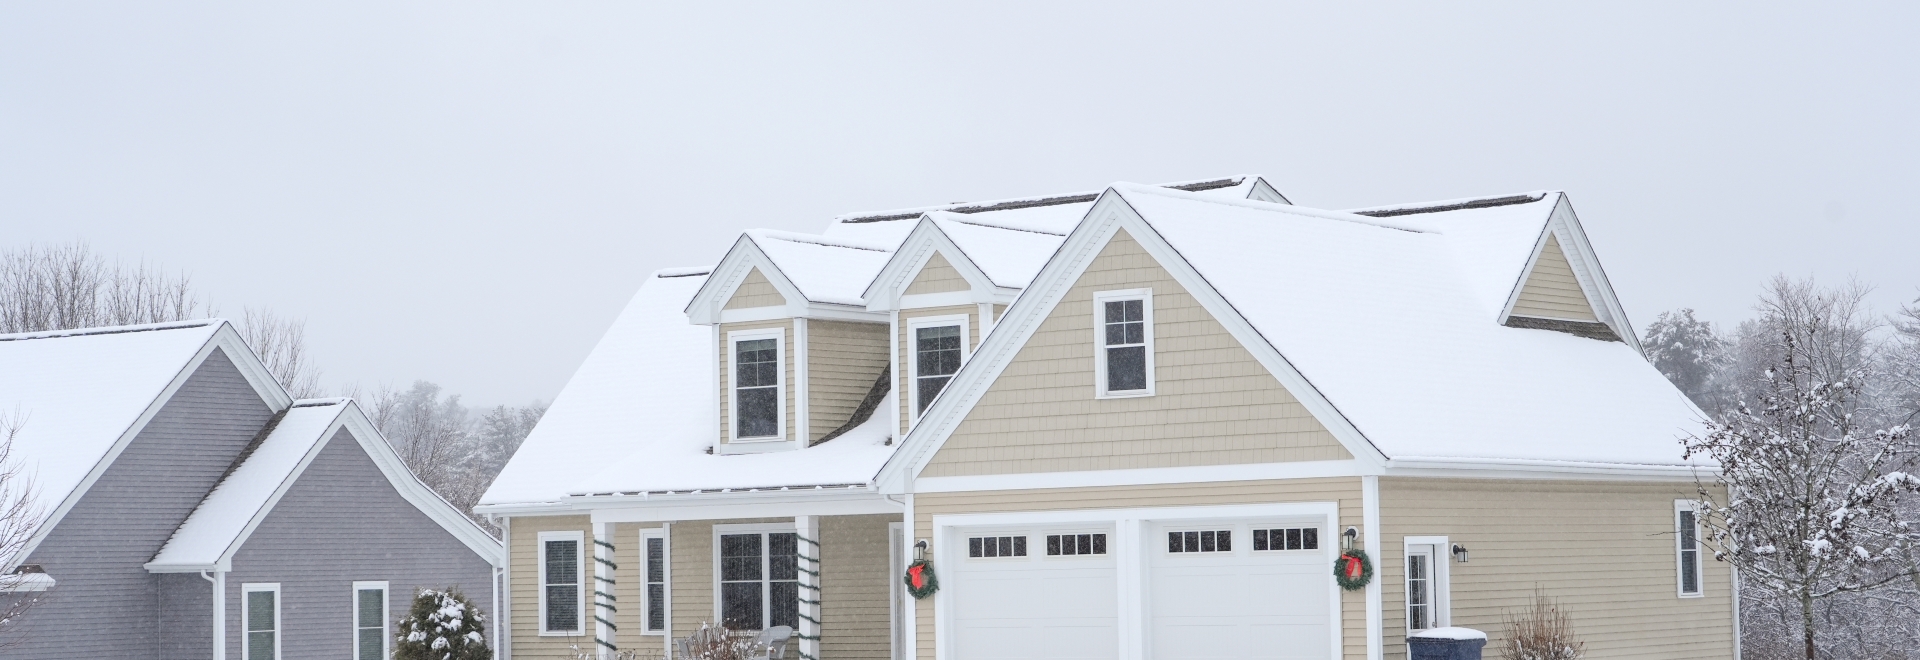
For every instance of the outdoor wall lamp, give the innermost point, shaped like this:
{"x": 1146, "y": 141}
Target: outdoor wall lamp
{"x": 1460, "y": 553}
{"x": 1348, "y": 537}
{"x": 920, "y": 550}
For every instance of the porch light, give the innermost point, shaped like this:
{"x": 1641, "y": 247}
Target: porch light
{"x": 1348, "y": 537}
{"x": 920, "y": 550}
{"x": 1460, "y": 553}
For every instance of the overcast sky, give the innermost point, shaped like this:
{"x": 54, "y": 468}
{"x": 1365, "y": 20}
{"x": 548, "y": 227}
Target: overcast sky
{"x": 468, "y": 192}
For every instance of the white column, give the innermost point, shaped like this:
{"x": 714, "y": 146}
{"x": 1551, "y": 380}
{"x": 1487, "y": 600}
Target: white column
{"x": 603, "y": 600}
{"x": 808, "y": 528}
{"x": 219, "y": 580}
{"x": 911, "y": 611}
{"x": 1370, "y": 533}
{"x": 802, "y": 422}
{"x": 1129, "y": 540}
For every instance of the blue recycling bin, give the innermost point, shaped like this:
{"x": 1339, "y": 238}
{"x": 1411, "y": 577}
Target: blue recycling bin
{"x": 1446, "y": 644}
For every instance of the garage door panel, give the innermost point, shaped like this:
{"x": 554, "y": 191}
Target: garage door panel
{"x": 1239, "y": 603}
{"x": 1035, "y": 607}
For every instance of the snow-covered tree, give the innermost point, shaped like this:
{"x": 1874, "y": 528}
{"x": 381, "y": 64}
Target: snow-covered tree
{"x": 20, "y": 517}
{"x": 1814, "y": 499}
{"x": 1689, "y": 352}
{"x": 441, "y": 442}
{"x": 442, "y": 625}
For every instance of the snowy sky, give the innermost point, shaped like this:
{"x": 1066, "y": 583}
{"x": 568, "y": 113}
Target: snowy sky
{"x": 468, "y": 192}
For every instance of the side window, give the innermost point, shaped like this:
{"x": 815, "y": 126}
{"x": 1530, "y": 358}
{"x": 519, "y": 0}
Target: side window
{"x": 370, "y": 621}
{"x": 560, "y": 594}
{"x": 1686, "y": 524}
{"x": 757, "y": 376}
{"x": 262, "y": 621}
{"x": 939, "y": 346}
{"x": 1124, "y": 333}
{"x": 654, "y": 544}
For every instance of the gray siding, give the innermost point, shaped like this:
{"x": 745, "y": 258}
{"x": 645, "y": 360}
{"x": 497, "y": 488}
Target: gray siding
{"x": 185, "y": 616}
{"x": 339, "y": 523}
{"x": 104, "y": 605}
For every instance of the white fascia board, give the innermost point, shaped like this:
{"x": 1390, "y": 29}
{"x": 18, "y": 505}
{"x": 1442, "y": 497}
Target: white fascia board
{"x": 243, "y": 358}
{"x": 1494, "y": 468}
{"x": 1261, "y": 191}
{"x": 1593, "y": 278}
{"x": 724, "y": 506}
{"x": 414, "y": 491}
{"x": 888, "y": 289}
{"x": 743, "y": 258}
{"x": 1143, "y": 476}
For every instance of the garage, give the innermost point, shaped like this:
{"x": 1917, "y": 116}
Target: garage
{"x": 1239, "y": 590}
{"x": 1020, "y": 593}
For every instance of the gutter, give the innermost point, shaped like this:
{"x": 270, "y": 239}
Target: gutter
{"x": 219, "y": 580}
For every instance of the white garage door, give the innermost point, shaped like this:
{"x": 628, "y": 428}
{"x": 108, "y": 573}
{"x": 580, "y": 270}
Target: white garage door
{"x": 1239, "y": 590}
{"x": 1033, "y": 593}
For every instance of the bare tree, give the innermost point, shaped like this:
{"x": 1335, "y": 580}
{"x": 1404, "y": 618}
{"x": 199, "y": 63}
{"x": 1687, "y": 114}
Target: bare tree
{"x": 1813, "y": 499}
{"x": 281, "y": 343}
{"x": 20, "y": 518}
{"x": 440, "y": 441}
{"x": 61, "y": 287}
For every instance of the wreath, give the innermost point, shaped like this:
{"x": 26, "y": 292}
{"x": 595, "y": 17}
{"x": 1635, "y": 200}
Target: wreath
{"x": 920, "y": 580}
{"x": 1353, "y": 570}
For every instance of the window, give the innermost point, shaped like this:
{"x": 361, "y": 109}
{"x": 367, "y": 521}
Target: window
{"x": 370, "y": 620}
{"x": 939, "y": 345}
{"x": 654, "y": 568}
{"x": 561, "y": 598}
{"x": 759, "y": 580}
{"x": 1123, "y": 322}
{"x": 1076, "y": 544}
{"x": 1420, "y": 588}
{"x": 262, "y": 621}
{"x": 1291, "y": 538}
{"x": 759, "y": 405}
{"x": 997, "y": 546}
{"x": 1686, "y": 523}
{"x": 1207, "y": 541}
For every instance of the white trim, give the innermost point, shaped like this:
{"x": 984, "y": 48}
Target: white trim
{"x": 1439, "y": 581}
{"x": 887, "y": 291}
{"x": 766, "y": 577}
{"x": 579, "y": 540}
{"x": 802, "y": 428}
{"x": 666, "y": 588}
{"x": 913, "y": 354}
{"x": 1370, "y": 542}
{"x": 725, "y": 506}
{"x": 246, "y": 627}
{"x": 1100, "y": 299}
{"x": 503, "y": 602}
{"x": 666, "y": 530}
{"x": 942, "y": 299}
{"x": 219, "y": 617}
{"x": 896, "y": 609}
{"x": 1679, "y": 550}
{"x": 734, "y": 337}
{"x": 898, "y": 373}
{"x": 386, "y": 609}
{"x": 603, "y": 582}
{"x": 1129, "y": 555}
{"x": 1140, "y": 476}
{"x": 912, "y": 634}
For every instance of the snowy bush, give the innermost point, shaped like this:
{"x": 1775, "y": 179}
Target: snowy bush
{"x": 443, "y": 625}
{"x": 713, "y": 642}
{"x": 1540, "y": 631}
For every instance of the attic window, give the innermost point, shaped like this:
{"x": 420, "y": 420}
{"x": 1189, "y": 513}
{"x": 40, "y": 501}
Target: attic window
{"x": 759, "y": 402}
{"x": 1123, "y": 327}
{"x": 939, "y": 347}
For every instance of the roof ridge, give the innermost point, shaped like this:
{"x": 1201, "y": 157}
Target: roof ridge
{"x": 963, "y": 220}
{"x": 110, "y": 330}
{"x": 1445, "y": 205}
{"x": 1012, "y": 203}
{"x": 1275, "y": 207}
{"x": 816, "y": 239}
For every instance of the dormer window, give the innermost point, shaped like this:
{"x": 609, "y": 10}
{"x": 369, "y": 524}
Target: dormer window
{"x": 759, "y": 401}
{"x": 939, "y": 346}
{"x": 1123, "y": 330}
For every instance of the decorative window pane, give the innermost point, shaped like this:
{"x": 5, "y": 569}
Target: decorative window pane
{"x": 1076, "y": 544}
{"x": 1291, "y": 538}
{"x": 756, "y": 367}
{"x": 936, "y": 359}
{"x": 759, "y": 580}
{"x": 997, "y": 546}
{"x": 1689, "y": 553}
{"x": 1125, "y": 332}
{"x": 1419, "y": 591}
{"x": 656, "y": 584}
{"x": 1207, "y": 541}
{"x": 370, "y": 626}
{"x": 562, "y": 584}
{"x": 263, "y": 610}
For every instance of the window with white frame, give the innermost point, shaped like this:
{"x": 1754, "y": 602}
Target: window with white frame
{"x": 561, "y": 596}
{"x": 1286, "y": 538}
{"x": 1123, "y": 322}
{"x": 653, "y": 546}
{"x": 370, "y": 620}
{"x": 1212, "y": 540}
{"x": 759, "y": 399}
{"x": 1067, "y": 545}
{"x": 1686, "y": 524}
{"x": 939, "y": 346}
{"x": 1426, "y": 582}
{"x": 759, "y": 578}
{"x": 997, "y": 546}
{"x": 262, "y": 602}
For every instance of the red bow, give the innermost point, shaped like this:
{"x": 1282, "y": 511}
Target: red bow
{"x": 919, "y": 581}
{"x": 1353, "y": 566}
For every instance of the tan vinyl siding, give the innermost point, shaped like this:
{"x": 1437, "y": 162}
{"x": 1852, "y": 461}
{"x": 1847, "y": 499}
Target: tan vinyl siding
{"x": 726, "y": 372}
{"x": 755, "y": 291}
{"x": 1214, "y": 403}
{"x": 523, "y": 579}
{"x": 904, "y": 379}
{"x": 1345, "y": 491}
{"x": 1551, "y": 290}
{"x": 843, "y": 360}
{"x": 937, "y": 276}
{"x": 1605, "y": 550}
{"x": 855, "y": 576}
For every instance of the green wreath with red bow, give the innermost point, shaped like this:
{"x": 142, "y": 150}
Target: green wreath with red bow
{"x": 1353, "y": 570}
{"x": 920, "y": 580}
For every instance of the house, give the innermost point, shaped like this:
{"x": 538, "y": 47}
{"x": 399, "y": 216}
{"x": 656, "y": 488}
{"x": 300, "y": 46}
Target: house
{"x": 189, "y": 509}
{"x": 1139, "y": 423}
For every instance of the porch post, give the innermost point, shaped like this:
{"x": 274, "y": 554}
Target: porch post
{"x": 808, "y": 549}
{"x": 603, "y": 601}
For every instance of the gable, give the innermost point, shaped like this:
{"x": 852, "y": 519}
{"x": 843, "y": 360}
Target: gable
{"x": 1551, "y": 290}
{"x": 937, "y": 276}
{"x": 755, "y": 291}
{"x": 1214, "y": 403}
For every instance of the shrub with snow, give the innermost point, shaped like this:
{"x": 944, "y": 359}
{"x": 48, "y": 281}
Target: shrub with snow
{"x": 443, "y": 625}
{"x": 1540, "y": 630}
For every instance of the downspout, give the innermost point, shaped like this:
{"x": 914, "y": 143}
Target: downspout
{"x": 219, "y": 580}
{"x": 498, "y": 571}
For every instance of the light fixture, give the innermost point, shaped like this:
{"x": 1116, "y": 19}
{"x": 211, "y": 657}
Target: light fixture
{"x": 920, "y": 550}
{"x": 1460, "y": 553}
{"x": 1348, "y": 537}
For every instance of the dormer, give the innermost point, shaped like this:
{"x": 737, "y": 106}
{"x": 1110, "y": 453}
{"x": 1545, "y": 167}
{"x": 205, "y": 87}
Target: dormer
{"x": 1563, "y": 288}
{"x": 798, "y": 353}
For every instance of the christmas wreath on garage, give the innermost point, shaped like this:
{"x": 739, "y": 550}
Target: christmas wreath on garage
{"x": 1353, "y": 570}
{"x": 920, "y": 580}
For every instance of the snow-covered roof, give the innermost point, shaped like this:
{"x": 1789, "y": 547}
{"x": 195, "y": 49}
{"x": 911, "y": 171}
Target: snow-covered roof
{"x": 825, "y": 268}
{"x": 1008, "y": 254}
{"x": 248, "y": 490}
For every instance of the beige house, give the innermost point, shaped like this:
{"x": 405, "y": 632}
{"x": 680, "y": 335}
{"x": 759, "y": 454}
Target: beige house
{"x": 1140, "y": 423}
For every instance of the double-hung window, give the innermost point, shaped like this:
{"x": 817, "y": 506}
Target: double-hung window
{"x": 759, "y": 402}
{"x": 370, "y": 621}
{"x": 939, "y": 346}
{"x": 1123, "y": 331}
{"x": 561, "y": 596}
{"x": 262, "y": 602}
{"x": 759, "y": 577}
{"x": 653, "y": 548}
{"x": 1686, "y": 527}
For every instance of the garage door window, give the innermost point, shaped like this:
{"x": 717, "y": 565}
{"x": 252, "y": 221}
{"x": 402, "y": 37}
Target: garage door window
{"x": 997, "y": 546}
{"x": 1289, "y": 538}
{"x": 1076, "y": 544}
{"x": 1203, "y": 541}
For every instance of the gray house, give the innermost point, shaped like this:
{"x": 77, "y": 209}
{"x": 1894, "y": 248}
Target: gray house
{"x": 189, "y": 509}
